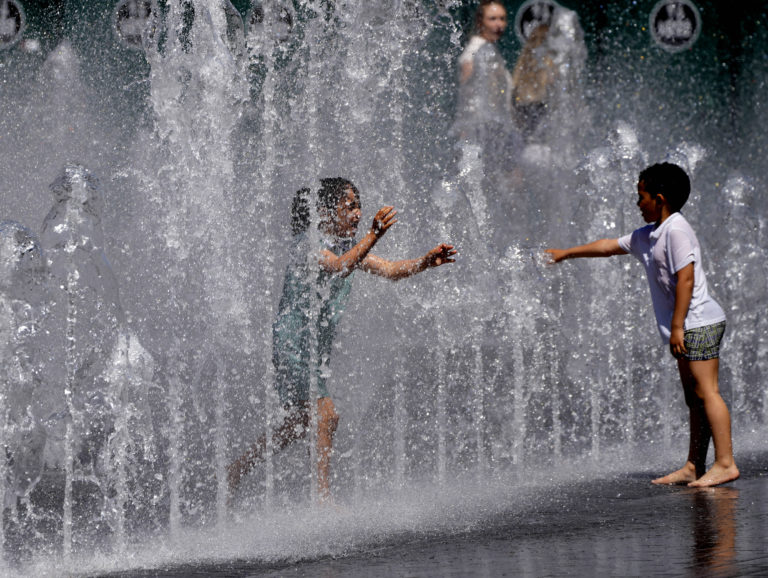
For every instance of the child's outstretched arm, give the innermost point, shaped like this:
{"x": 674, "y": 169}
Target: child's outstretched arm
{"x": 352, "y": 259}
{"x": 396, "y": 270}
{"x": 600, "y": 248}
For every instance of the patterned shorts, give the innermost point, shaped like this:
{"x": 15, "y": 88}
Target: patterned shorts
{"x": 703, "y": 343}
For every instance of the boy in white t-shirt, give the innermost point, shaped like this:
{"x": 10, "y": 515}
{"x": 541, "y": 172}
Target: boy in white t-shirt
{"x": 688, "y": 318}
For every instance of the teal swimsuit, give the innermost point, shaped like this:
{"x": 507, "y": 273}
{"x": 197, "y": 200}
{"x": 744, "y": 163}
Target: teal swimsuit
{"x": 291, "y": 333}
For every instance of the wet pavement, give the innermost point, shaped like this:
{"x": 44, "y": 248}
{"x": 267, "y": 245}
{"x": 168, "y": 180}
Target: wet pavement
{"x": 619, "y": 526}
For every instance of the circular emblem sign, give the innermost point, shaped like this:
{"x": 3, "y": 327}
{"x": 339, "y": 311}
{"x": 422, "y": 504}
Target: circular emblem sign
{"x": 132, "y": 18}
{"x": 11, "y": 23}
{"x": 675, "y": 24}
{"x": 531, "y": 15}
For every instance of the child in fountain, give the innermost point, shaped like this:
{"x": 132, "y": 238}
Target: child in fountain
{"x": 338, "y": 208}
{"x": 687, "y": 317}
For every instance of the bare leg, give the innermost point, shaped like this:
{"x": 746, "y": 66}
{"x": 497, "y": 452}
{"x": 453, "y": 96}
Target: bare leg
{"x": 294, "y": 427}
{"x": 327, "y": 422}
{"x": 699, "y": 436}
{"x": 697, "y": 451}
{"x": 724, "y": 469}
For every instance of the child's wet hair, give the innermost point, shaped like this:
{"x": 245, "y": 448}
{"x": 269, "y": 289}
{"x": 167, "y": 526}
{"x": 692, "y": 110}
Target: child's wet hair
{"x": 669, "y": 180}
{"x": 331, "y": 192}
{"x": 300, "y": 211}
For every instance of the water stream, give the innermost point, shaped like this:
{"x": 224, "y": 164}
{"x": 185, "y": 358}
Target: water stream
{"x": 145, "y": 198}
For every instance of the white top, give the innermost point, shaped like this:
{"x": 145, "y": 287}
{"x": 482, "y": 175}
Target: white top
{"x": 486, "y": 96}
{"x": 664, "y": 251}
{"x": 474, "y": 44}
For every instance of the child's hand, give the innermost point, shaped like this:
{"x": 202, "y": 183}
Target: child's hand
{"x": 383, "y": 220}
{"x": 440, "y": 255}
{"x": 677, "y": 343}
{"x": 555, "y": 255}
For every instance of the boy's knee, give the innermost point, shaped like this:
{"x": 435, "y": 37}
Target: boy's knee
{"x": 692, "y": 399}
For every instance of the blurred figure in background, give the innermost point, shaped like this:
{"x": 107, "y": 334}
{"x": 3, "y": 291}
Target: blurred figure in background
{"x": 549, "y": 105}
{"x": 532, "y": 79}
{"x": 483, "y": 112}
{"x": 488, "y": 144}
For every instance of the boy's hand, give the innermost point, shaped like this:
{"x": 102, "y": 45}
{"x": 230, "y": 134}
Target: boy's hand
{"x": 440, "y": 255}
{"x": 555, "y": 255}
{"x": 677, "y": 343}
{"x": 383, "y": 220}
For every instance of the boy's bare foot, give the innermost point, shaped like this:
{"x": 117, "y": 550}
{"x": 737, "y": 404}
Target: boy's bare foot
{"x": 684, "y": 475}
{"x": 716, "y": 475}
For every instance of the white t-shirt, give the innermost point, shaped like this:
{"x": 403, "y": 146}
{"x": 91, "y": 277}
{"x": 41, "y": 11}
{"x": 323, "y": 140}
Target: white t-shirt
{"x": 474, "y": 44}
{"x": 664, "y": 251}
{"x": 487, "y": 94}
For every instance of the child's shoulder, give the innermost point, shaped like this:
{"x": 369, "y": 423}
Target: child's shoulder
{"x": 677, "y": 222}
{"x": 643, "y": 232}
{"x": 475, "y": 44}
{"x": 680, "y": 220}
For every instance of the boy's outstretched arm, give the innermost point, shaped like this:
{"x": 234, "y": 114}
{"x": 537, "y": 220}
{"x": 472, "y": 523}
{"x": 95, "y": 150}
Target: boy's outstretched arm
{"x": 600, "y": 248}
{"x": 353, "y": 258}
{"x": 396, "y": 270}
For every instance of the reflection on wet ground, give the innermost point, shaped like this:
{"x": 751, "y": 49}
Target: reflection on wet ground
{"x": 622, "y": 526}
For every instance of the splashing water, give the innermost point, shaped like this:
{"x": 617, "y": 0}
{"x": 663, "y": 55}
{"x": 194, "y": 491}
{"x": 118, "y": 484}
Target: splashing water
{"x": 136, "y": 331}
